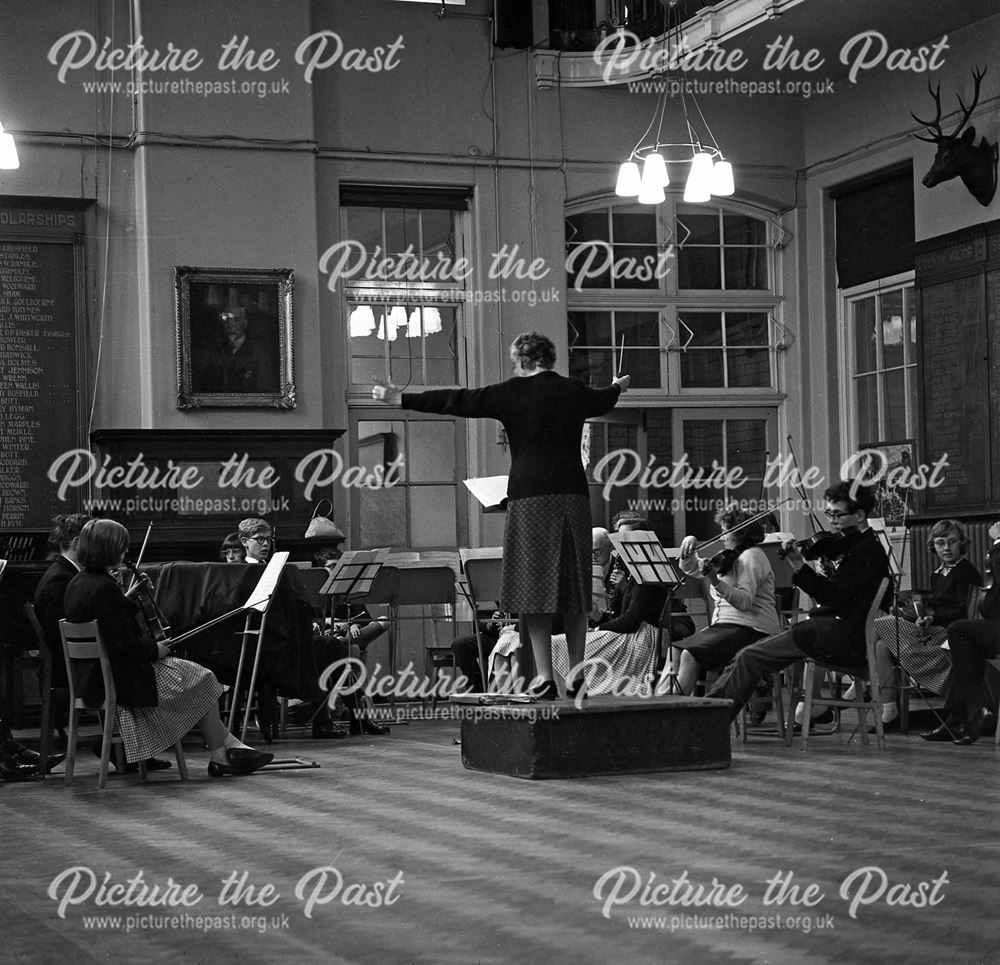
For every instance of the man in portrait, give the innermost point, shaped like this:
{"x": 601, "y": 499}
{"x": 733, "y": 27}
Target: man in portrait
{"x": 238, "y": 362}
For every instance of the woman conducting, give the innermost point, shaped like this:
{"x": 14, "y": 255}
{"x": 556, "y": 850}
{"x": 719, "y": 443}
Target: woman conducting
{"x": 547, "y": 538}
{"x": 160, "y": 697}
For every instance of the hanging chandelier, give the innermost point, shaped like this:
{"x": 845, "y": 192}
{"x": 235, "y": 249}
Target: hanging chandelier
{"x": 708, "y": 173}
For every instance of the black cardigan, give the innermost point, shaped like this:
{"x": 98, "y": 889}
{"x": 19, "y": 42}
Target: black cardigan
{"x": 94, "y": 595}
{"x": 543, "y": 415}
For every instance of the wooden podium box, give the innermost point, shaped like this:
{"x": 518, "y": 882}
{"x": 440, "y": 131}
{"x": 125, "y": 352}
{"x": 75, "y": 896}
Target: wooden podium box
{"x": 608, "y": 735}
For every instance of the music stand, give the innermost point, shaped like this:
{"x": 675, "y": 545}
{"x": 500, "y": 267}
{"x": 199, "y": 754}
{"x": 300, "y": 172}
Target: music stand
{"x": 351, "y": 578}
{"x": 647, "y": 563}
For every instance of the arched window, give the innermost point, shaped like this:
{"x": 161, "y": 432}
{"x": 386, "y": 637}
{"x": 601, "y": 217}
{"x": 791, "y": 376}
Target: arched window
{"x": 684, "y": 299}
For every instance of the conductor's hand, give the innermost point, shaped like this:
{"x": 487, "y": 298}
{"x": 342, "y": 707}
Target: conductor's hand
{"x": 622, "y": 382}
{"x": 386, "y": 392}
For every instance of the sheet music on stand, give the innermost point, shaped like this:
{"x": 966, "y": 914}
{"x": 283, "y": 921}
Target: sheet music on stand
{"x": 647, "y": 563}
{"x": 354, "y": 573}
{"x": 645, "y": 558}
{"x": 900, "y": 577}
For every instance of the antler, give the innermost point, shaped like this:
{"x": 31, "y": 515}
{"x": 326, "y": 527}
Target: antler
{"x": 933, "y": 126}
{"x": 977, "y": 76}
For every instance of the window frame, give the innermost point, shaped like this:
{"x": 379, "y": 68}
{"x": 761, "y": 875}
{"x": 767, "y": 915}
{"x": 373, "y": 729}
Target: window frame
{"x": 847, "y": 353}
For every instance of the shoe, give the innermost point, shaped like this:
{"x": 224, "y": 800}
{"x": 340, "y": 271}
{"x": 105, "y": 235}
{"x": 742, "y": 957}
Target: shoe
{"x": 829, "y": 716}
{"x": 326, "y": 730}
{"x": 578, "y": 689}
{"x": 132, "y": 767}
{"x": 27, "y": 756}
{"x": 979, "y": 721}
{"x": 546, "y": 690}
{"x": 947, "y": 731}
{"x": 367, "y": 727}
{"x": 13, "y": 771}
{"x": 239, "y": 760}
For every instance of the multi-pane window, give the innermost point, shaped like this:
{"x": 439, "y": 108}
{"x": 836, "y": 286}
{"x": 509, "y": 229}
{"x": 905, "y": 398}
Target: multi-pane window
{"x": 680, "y": 298}
{"x": 404, "y": 323}
{"x": 406, "y": 272}
{"x": 604, "y": 343}
{"x": 882, "y": 329}
{"x": 611, "y": 248}
{"x": 719, "y": 250}
{"x": 726, "y": 350}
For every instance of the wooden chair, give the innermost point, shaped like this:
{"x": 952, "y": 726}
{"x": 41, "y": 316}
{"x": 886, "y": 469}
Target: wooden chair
{"x": 869, "y": 675}
{"x": 45, "y": 685}
{"x": 82, "y": 642}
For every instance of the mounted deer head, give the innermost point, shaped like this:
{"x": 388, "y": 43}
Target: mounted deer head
{"x": 957, "y": 155}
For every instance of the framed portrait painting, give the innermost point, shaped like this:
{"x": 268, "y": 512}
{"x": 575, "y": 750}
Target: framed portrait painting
{"x": 234, "y": 337}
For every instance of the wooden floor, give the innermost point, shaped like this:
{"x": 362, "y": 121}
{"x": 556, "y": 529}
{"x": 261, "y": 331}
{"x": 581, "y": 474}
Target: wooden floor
{"x": 496, "y": 870}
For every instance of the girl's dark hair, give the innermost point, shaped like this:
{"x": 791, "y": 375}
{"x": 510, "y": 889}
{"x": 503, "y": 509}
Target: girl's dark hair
{"x": 534, "y": 350}
{"x": 66, "y": 527}
{"x": 750, "y": 535}
{"x": 102, "y": 543}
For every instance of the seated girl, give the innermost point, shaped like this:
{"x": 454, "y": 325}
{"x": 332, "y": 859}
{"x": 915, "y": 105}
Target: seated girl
{"x": 917, "y": 648}
{"x": 160, "y": 697}
{"x": 742, "y": 590}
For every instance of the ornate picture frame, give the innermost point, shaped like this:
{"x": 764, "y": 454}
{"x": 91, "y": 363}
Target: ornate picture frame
{"x": 234, "y": 337}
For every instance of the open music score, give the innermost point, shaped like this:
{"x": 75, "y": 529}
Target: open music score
{"x": 645, "y": 558}
{"x": 354, "y": 573}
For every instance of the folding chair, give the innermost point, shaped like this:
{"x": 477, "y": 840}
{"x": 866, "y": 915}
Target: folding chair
{"x": 81, "y": 642}
{"x": 482, "y": 573}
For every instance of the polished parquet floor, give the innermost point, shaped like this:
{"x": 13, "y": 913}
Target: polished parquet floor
{"x": 438, "y": 864}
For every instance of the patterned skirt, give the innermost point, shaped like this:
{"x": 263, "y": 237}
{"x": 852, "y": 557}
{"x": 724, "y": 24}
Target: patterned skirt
{"x": 547, "y": 555}
{"x": 186, "y": 692}
{"x": 617, "y": 663}
{"x": 921, "y": 657}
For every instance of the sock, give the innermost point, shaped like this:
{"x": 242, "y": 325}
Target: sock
{"x": 889, "y": 713}
{"x": 852, "y": 692}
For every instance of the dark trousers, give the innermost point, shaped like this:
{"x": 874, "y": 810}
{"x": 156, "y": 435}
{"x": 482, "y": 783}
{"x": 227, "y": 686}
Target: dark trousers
{"x": 466, "y": 654}
{"x": 821, "y": 637}
{"x": 972, "y": 643}
{"x": 715, "y": 646}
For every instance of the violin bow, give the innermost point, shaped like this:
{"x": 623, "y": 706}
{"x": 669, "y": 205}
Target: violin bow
{"x": 800, "y": 489}
{"x": 746, "y": 522}
{"x": 142, "y": 552}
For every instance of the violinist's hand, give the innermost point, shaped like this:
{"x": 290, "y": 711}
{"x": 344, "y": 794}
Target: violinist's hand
{"x": 793, "y": 555}
{"x": 386, "y": 392}
{"x": 622, "y": 382}
{"x": 688, "y": 545}
{"x": 924, "y": 625}
{"x": 163, "y": 650}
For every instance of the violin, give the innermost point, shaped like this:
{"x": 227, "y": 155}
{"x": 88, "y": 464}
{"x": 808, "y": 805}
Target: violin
{"x": 823, "y": 545}
{"x": 149, "y": 615}
{"x": 721, "y": 563}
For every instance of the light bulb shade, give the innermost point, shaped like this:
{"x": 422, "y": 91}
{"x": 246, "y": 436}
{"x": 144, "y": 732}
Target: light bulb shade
{"x": 432, "y": 321}
{"x": 629, "y": 180}
{"x": 362, "y": 321}
{"x": 654, "y": 168}
{"x": 8, "y": 151}
{"x": 651, "y": 190}
{"x": 699, "y": 182}
{"x": 722, "y": 179}
{"x": 387, "y": 326}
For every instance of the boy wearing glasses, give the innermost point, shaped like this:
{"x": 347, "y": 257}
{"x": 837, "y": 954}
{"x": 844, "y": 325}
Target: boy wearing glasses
{"x": 834, "y": 632}
{"x": 255, "y": 535}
